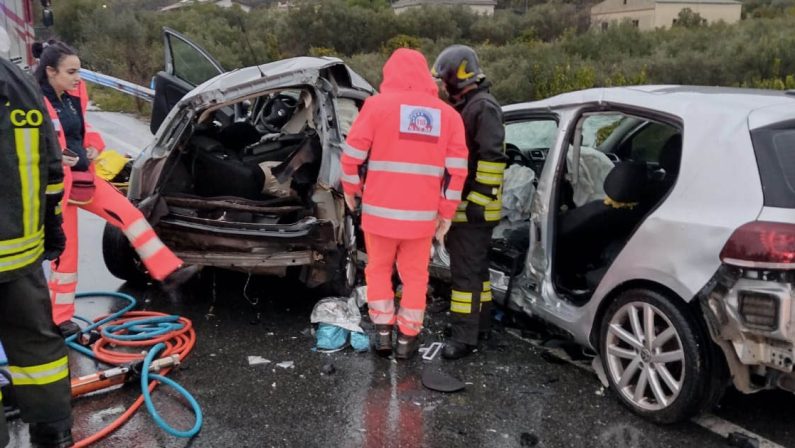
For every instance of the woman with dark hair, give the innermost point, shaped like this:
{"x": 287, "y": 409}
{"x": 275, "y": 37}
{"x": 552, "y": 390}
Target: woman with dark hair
{"x": 58, "y": 74}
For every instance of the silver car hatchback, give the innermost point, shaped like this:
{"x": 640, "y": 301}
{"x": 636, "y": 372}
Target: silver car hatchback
{"x": 660, "y": 234}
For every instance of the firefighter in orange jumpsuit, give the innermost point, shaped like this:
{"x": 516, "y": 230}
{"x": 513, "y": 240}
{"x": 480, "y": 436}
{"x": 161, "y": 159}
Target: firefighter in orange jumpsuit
{"x": 58, "y": 74}
{"x": 415, "y": 149}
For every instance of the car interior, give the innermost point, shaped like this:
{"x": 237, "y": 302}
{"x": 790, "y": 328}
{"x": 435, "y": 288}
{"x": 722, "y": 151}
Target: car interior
{"x": 256, "y": 161}
{"x": 626, "y": 166}
{"x": 645, "y": 155}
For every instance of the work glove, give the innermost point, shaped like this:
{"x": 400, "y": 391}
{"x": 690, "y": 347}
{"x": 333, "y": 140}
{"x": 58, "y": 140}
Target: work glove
{"x": 54, "y": 238}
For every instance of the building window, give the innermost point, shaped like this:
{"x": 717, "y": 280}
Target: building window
{"x": 604, "y": 26}
{"x": 635, "y": 23}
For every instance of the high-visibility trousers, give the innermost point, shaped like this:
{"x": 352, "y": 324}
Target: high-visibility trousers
{"x": 110, "y": 205}
{"x": 412, "y": 257}
{"x": 36, "y": 352}
{"x": 470, "y": 300}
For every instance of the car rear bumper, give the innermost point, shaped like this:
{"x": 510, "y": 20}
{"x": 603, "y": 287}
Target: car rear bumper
{"x": 751, "y": 315}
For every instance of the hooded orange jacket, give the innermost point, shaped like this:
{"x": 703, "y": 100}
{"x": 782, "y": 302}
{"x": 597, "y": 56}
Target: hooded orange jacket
{"x": 415, "y": 151}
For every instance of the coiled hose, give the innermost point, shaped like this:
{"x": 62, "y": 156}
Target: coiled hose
{"x": 164, "y": 335}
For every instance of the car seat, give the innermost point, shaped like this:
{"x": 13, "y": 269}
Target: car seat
{"x": 219, "y": 171}
{"x": 585, "y": 233}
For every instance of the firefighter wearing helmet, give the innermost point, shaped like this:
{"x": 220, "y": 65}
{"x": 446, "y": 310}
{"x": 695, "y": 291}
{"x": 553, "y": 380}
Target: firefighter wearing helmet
{"x": 469, "y": 238}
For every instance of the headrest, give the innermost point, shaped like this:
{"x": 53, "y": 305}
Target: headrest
{"x": 671, "y": 155}
{"x": 626, "y": 182}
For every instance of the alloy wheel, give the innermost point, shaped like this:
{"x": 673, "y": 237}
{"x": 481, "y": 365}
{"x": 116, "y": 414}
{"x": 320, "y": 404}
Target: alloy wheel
{"x": 645, "y": 356}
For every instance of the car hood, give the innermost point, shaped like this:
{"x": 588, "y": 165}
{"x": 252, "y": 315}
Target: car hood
{"x": 251, "y": 80}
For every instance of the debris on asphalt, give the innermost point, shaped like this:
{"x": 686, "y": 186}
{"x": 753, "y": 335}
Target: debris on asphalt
{"x": 338, "y": 320}
{"x": 328, "y": 369}
{"x": 339, "y": 312}
{"x": 430, "y": 352}
{"x": 601, "y": 391}
{"x": 360, "y": 341}
{"x": 740, "y": 440}
{"x": 256, "y": 360}
{"x": 330, "y": 337}
{"x": 528, "y": 440}
{"x": 440, "y": 381}
{"x": 286, "y": 364}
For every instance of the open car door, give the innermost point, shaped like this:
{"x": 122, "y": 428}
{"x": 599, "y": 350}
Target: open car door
{"x": 187, "y": 66}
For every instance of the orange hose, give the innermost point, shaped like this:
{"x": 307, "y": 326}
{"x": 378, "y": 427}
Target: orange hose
{"x": 180, "y": 342}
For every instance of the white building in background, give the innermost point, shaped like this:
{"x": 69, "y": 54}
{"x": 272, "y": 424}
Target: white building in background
{"x": 651, "y": 14}
{"x": 485, "y": 7}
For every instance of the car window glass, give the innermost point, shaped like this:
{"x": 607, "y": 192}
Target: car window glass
{"x": 646, "y": 144}
{"x": 596, "y": 129}
{"x": 347, "y": 111}
{"x": 189, "y": 64}
{"x": 526, "y": 135}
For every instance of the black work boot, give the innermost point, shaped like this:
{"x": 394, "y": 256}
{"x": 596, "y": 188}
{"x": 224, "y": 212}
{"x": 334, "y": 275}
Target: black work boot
{"x": 68, "y": 328}
{"x": 51, "y": 435}
{"x": 406, "y": 346}
{"x": 383, "y": 340}
{"x": 180, "y": 276}
{"x": 456, "y": 350}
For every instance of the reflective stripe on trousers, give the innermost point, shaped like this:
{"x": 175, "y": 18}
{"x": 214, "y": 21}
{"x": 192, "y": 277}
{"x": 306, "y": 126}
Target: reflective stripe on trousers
{"x": 382, "y": 312}
{"x": 40, "y": 375}
{"x": 410, "y": 320}
{"x": 461, "y": 301}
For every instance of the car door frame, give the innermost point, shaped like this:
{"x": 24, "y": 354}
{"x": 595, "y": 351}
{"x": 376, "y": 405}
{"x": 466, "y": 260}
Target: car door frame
{"x": 538, "y": 293}
{"x": 168, "y": 86}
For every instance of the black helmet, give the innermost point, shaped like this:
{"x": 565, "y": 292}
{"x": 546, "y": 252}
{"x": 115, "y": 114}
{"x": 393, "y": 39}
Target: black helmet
{"x": 457, "y": 66}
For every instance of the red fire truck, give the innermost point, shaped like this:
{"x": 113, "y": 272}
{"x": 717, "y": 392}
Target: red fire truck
{"x": 16, "y": 16}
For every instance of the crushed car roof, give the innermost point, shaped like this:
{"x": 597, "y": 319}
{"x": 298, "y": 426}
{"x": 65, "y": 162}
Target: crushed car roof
{"x": 303, "y": 69}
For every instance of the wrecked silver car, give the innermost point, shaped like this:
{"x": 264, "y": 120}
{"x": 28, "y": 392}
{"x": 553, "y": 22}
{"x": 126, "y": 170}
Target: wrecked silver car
{"x": 656, "y": 228}
{"x": 243, "y": 172}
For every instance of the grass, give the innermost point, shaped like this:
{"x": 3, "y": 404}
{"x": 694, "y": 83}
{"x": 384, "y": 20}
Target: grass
{"x": 111, "y": 100}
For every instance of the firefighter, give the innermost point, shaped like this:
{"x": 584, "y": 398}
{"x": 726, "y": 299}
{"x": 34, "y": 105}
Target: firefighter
{"x": 415, "y": 150}
{"x": 469, "y": 239}
{"x": 30, "y": 229}
{"x": 58, "y": 74}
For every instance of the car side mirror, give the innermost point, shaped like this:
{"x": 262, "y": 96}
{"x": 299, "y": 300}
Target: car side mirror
{"x": 47, "y": 17}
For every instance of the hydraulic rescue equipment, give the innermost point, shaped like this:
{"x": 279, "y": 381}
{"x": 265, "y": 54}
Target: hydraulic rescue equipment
{"x": 142, "y": 346}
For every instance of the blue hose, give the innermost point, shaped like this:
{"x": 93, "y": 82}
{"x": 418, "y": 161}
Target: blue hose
{"x": 140, "y": 330}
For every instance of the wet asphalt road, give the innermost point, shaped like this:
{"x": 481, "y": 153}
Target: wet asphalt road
{"x": 516, "y": 396}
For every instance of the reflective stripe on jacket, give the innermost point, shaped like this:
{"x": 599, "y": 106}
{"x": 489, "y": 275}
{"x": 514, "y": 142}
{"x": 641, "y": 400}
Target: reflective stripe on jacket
{"x": 415, "y": 148}
{"x": 485, "y": 133}
{"x": 30, "y": 163}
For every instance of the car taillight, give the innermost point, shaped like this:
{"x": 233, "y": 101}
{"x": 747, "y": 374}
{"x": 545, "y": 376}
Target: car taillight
{"x": 761, "y": 244}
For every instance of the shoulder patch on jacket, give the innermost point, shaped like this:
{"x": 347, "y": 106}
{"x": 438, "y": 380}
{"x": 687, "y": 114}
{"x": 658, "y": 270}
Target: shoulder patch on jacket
{"x": 420, "y": 120}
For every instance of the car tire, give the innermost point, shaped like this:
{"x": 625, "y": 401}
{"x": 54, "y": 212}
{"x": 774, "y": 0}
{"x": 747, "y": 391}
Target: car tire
{"x": 120, "y": 258}
{"x": 667, "y": 380}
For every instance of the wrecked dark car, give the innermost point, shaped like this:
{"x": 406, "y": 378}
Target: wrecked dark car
{"x": 243, "y": 172}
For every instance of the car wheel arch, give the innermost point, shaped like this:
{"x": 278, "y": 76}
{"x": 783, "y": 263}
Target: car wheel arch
{"x": 616, "y": 292}
{"x": 713, "y": 361}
